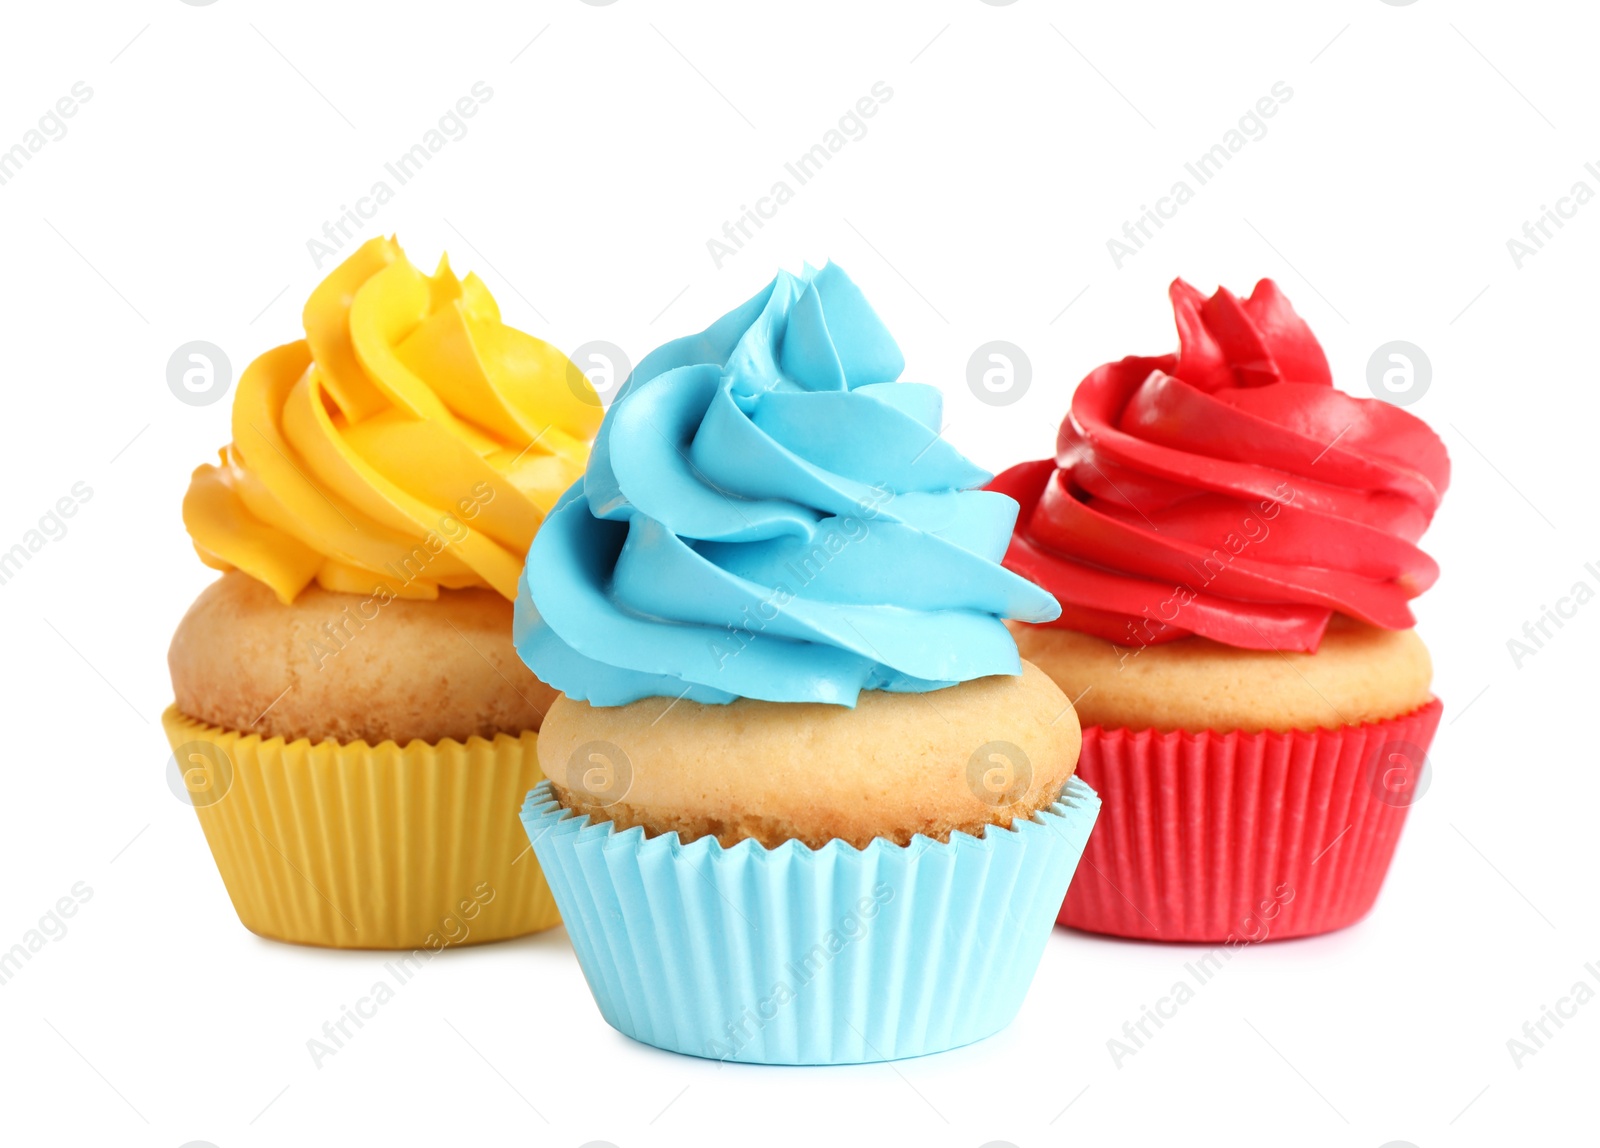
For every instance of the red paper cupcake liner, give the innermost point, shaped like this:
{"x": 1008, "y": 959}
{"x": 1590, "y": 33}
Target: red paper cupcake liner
{"x": 1244, "y": 837}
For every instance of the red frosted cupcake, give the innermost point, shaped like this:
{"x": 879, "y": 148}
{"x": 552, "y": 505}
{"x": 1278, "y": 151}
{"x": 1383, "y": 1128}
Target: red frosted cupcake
{"x": 1233, "y": 543}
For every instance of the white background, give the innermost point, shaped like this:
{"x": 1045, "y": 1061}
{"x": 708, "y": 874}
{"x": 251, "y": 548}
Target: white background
{"x": 618, "y": 139}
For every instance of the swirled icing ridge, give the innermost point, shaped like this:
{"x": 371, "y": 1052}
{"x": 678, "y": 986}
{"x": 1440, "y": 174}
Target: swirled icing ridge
{"x": 1229, "y": 490}
{"x": 410, "y": 441}
{"x": 769, "y": 514}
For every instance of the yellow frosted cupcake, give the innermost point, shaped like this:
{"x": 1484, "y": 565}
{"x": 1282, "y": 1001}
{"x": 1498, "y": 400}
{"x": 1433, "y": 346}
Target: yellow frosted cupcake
{"x": 351, "y": 722}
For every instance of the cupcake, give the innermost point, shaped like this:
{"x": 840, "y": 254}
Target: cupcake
{"x": 351, "y": 722}
{"x": 1233, "y": 542}
{"x": 805, "y": 804}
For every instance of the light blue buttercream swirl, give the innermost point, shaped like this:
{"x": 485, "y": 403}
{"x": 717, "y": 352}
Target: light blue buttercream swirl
{"x": 768, "y": 514}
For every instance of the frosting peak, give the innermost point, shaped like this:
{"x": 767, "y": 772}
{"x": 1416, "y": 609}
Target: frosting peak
{"x": 1228, "y": 490}
{"x": 768, "y": 514}
{"x": 410, "y": 441}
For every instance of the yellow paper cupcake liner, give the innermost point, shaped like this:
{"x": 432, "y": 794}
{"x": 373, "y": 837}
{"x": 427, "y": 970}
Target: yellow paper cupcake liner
{"x": 368, "y": 847}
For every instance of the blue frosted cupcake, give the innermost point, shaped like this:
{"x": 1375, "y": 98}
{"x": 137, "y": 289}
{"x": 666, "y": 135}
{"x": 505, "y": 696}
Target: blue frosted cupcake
{"x": 806, "y": 804}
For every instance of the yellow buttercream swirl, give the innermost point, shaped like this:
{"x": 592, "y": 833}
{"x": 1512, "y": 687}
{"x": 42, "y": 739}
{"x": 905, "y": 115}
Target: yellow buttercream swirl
{"x": 410, "y": 441}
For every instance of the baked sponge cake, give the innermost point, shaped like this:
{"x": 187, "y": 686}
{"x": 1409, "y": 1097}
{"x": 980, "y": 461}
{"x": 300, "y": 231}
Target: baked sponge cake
{"x": 771, "y": 772}
{"x": 805, "y": 803}
{"x": 1234, "y": 544}
{"x": 1360, "y": 674}
{"x": 421, "y": 669}
{"x": 352, "y": 723}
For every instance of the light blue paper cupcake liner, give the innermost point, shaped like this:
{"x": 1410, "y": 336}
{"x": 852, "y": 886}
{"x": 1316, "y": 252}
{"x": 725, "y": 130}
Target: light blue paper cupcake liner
{"x": 809, "y": 956}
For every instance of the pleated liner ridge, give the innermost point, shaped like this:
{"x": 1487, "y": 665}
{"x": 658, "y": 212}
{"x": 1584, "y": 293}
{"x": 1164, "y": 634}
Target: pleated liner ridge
{"x": 796, "y": 955}
{"x": 371, "y": 847}
{"x": 1248, "y": 837}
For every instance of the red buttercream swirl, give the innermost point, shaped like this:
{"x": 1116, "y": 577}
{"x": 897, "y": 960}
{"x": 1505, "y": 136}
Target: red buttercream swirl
{"x": 1229, "y": 490}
